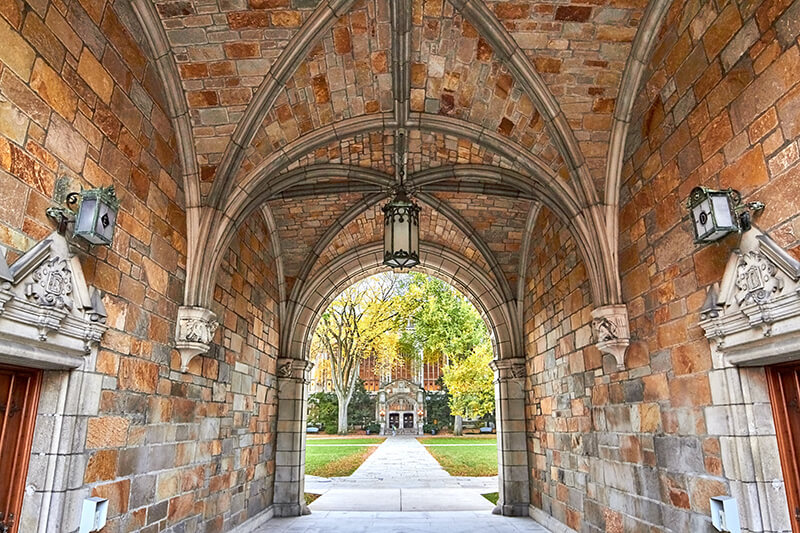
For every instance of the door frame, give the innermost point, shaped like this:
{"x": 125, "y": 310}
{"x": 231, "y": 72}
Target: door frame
{"x": 788, "y": 449}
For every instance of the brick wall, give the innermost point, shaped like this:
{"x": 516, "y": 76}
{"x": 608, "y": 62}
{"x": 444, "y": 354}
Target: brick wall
{"x": 81, "y": 105}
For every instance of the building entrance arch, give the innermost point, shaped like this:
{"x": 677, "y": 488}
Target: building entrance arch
{"x": 509, "y": 368}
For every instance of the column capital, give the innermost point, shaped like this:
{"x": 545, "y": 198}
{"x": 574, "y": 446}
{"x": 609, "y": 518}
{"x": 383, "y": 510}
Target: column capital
{"x": 513, "y": 368}
{"x": 611, "y": 331}
{"x": 194, "y": 331}
{"x": 290, "y": 368}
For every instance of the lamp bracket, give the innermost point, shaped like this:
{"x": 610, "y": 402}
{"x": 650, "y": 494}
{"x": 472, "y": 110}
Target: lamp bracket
{"x": 64, "y": 215}
{"x": 746, "y": 212}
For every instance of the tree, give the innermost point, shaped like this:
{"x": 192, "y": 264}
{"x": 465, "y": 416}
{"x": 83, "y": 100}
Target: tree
{"x": 446, "y": 324}
{"x": 362, "y": 406}
{"x": 471, "y": 383}
{"x": 448, "y": 327}
{"x": 361, "y": 322}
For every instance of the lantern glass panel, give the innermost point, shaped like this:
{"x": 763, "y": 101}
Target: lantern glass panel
{"x": 401, "y": 233}
{"x": 414, "y": 226}
{"x": 722, "y": 211}
{"x": 703, "y": 221}
{"x": 86, "y": 217}
{"x": 104, "y": 225}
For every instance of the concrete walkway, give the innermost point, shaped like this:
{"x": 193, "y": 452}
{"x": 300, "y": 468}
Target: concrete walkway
{"x": 401, "y": 488}
{"x": 386, "y": 522}
{"x": 401, "y": 476}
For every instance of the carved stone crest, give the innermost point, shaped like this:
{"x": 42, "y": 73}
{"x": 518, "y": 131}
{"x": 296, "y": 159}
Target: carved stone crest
{"x": 51, "y": 284}
{"x": 506, "y": 369}
{"x": 199, "y": 330}
{"x": 757, "y": 279}
{"x": 518, "y": 370}
{"x": 611, "y": 332}
{"x": 753, "y": 314}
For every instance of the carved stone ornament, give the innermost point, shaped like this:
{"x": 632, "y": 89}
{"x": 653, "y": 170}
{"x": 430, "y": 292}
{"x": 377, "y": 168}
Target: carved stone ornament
{"x": 196, "y": 327}
{"x": 506, "y": 369}
{"x": 611, "y": 331}
{"x": 49, "y": 317}
{"x": 51, "y": 284}
{"x": 297, "y": 369}
{"x": 753, "y": 315}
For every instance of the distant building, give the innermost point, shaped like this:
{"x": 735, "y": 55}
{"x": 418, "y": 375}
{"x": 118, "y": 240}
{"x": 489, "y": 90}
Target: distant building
{"x": 399, "y": 393}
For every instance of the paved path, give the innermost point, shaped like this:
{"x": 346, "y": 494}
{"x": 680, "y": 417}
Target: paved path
{"x": 387, "y": 522}
{"x": 401, "y": 476}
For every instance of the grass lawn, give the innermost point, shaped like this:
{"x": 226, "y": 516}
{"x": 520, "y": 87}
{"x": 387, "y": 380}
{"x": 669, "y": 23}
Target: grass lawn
{"x": 341, "y": 459}
{"x": 491, "y": 496}
{"x": 467, "y": 460}
{"x": 311, "y": 441}
{"x": 467, "y": 439}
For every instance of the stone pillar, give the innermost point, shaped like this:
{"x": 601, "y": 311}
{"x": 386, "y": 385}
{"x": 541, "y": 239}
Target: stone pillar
{"x": 512, "y": 450}
{"x": 290, "y": 452}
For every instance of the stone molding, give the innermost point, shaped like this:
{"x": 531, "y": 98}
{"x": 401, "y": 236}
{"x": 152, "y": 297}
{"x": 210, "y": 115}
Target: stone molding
{"x": 49, "y": 317}
{"x": 195, "y": 329}
{"x": 295, "y": 369}
{"x": 753, "y": 314}
{"x": 508, "y": 369}
{"x": 611, "y": 331}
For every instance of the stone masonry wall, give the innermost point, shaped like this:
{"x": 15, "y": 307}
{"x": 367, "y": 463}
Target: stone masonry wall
{"x": 718, "y": 108}
{"x": 561, "y": 365}
{"x": 81, "y": 105}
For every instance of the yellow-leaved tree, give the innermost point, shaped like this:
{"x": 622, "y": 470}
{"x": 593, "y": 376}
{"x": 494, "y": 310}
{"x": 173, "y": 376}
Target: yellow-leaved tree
{"x": 361, "y": 322}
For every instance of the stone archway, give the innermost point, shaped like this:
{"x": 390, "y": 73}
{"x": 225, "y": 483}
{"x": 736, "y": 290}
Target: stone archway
{"x": 509, "y": 368}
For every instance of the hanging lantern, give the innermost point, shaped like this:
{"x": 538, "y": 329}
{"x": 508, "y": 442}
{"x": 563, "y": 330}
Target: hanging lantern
{"x": 401, "y": 232}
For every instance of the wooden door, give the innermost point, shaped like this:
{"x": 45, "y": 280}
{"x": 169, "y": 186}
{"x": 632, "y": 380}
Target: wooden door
{"x": 408, "y": 420}
{"x": 19, "y": 397}
{"x": 394, "y": 420}
{"x": 784, "y": 389}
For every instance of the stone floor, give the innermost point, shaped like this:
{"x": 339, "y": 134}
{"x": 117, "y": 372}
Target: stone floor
{"x": 401, "y": 488}
{"x": 405, "y": 522}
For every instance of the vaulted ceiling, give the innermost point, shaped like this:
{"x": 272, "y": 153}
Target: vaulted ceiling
{"x": 300, "y": 109}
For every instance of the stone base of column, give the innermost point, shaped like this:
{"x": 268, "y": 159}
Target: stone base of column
{"x": 511, "y": 509}
{"x": 291, "y": 509}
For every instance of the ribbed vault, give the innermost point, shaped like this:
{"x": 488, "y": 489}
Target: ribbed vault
{"x": 305, "y": 112}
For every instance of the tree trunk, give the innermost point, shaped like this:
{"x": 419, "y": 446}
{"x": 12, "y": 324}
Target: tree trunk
{"x": 458, "y": 426}
{"x": 344, "y": 402}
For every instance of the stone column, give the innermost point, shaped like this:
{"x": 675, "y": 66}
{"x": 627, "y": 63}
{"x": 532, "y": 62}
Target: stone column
{"x": 512, "y": 451}
{"x": 290, "y": 452}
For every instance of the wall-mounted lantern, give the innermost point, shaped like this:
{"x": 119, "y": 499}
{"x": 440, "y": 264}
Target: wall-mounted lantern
{"x": 382, "y": 413}
{"x": 96, "y": 215}
{"x": 421, "y": 412}
{"x": 715, "y": 213}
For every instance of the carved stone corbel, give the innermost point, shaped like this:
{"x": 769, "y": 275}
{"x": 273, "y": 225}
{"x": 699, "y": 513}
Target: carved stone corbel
{"x": 195, "y": 331}
{"x": 296, "y": 369}
{"x": 505, "y": 369}
{"x": 611, "y": 331}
